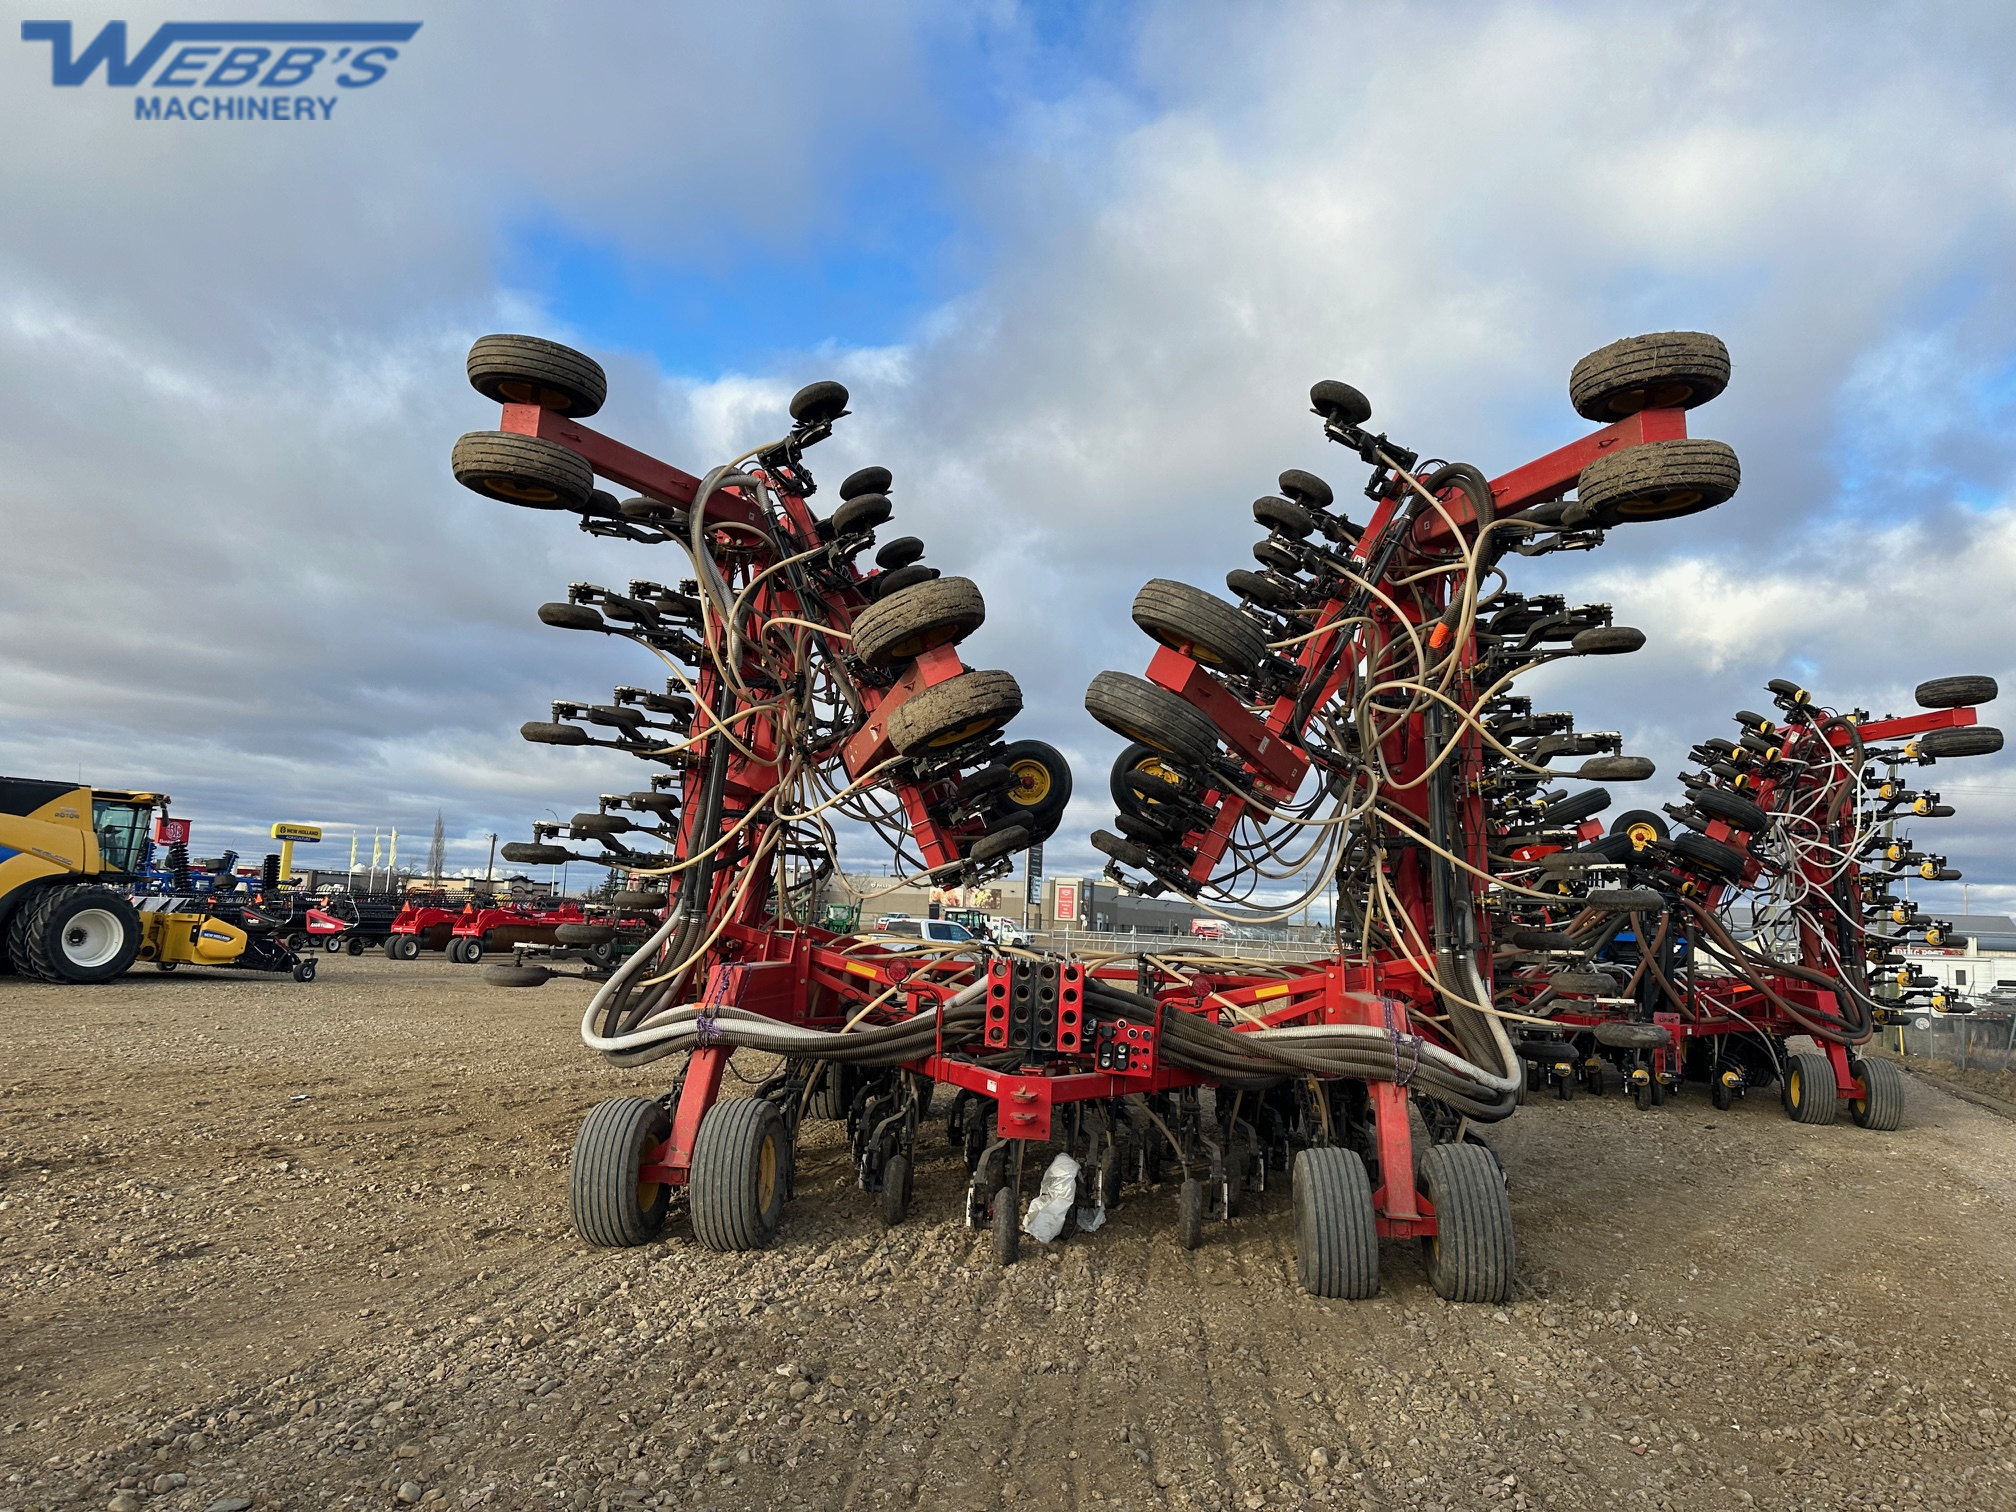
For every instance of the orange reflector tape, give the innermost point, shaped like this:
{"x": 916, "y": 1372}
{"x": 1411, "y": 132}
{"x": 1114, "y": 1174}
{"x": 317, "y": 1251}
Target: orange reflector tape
{"x": 1279, "y": 989}
{"x": 862, "y": 968}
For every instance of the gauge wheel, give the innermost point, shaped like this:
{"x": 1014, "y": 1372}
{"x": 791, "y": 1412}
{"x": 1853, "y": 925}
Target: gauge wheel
{"x": 523, "y": 470}
{"x": 953, "y": 712}
{"x": 1665, "y": 370}
{"x": 529, "y": 370}
{"x": 1201, "y": 626}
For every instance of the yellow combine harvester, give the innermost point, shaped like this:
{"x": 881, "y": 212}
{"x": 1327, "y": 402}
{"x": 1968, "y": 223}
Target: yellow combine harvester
{"x": 66, "y": 851}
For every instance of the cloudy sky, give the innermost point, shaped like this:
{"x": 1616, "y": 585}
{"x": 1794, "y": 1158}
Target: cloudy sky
{"x": 1079, "y": 265}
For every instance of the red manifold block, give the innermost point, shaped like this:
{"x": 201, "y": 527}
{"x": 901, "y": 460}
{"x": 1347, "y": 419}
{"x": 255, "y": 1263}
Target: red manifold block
{"x": 1036, "y": 1005}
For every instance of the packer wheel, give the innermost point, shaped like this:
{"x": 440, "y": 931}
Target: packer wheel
{"x": 913, "y": 620}
{"x": 1666, "y": 370}
{"x": 896, "y": 1190}
{"x": 1336, "y": 1230}
{"x": 524, "y": 470}
{"x": 1200, "y": 625}
{"x": 1190, "y": 1205}
{"x": 611, "y": 1204}
{"x": 1152, "y": 716}
{"x": 741, "y": 1168}
{"x": 1007, "y": 1226}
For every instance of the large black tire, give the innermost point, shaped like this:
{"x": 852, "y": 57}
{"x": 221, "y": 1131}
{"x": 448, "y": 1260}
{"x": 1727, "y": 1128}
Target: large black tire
{"x": 1732, "y": 809}
{"x": 522, "y": 470}
{"x": 1810, "y": 1093}
{"x": 955, "y": 711}
{"x": 1666, "y": 370}
{"x": 1881, "y": 1107}
{"x": 1971, "y": 740}
{"x": 610, "y": 1204}
{"x": 1151, "y": 716}
{"x": 455, "y": 949}
{"x": 1955, "y": 692}
{"x": 1336, "y": 1230}
{"x": 472, "y": 951}
{"x": 1711, "y": 855}
{"x": 528, "y": 370}
{"x": 1127, "y": 796}
{"x": 1659, "y": 481}
{"x": 741, "y": 1169}
{"x": 1200, "y": 625}
{"x": 79, "y": 934}
{"x": 942, "y": 612}
{"x": 408, "y": 947}
{"x": 1470, "y": 1256}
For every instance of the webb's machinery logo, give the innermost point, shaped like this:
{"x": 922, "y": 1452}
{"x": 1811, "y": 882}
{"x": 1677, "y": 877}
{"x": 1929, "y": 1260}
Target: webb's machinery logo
{"x": 230, "y": 70}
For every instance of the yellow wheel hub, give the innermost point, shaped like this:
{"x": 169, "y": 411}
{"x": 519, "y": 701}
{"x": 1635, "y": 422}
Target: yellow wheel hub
{"x": 1032, "y": 783}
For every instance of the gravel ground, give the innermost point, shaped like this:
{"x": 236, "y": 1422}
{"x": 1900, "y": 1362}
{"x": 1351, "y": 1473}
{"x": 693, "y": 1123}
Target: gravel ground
{"x": 276, "y": 1246}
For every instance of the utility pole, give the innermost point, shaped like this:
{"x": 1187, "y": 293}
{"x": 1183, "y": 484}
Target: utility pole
{"x": 490, "y": 866}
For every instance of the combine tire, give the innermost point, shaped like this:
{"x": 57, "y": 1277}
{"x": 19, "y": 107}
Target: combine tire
{"x": 612, "y": 1205}
{"x": 1956, "y": 692}
{"x": 1336, "y": 1231}
{"x": 78, "y": 934}
{"x": 1152, "y": 716}
{"x": 741, "y": 1167}
{"x": 1881, "y": 1105}
{"x": 913, "y": 620}
{"x": 950, "y": 713}
{"x": 1470, "y": 1255}
{"x": 1667, "y": 370}
{"x": 522, "y": 470}
{"x": 1200, "y": 626}
{"x": 1810, "y": 1093}
{"x": 1659, "y": 481}
{"x": 527, "y": 370}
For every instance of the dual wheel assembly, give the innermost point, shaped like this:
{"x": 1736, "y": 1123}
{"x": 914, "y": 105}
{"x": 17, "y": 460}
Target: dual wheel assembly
{"x": 735, "y": 1188}
{"x": 1468, "y": 1257}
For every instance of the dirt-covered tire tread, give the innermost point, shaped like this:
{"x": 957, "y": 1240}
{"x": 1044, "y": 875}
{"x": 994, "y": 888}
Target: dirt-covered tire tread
{"x": 1152, "y": 716}
{"x": 1955, "y": 692}
{"x": 1663, "y": 370}
{"x": 1810, "y": 1092}
{"x": 1661, "y": 480}
{"x": 903, "y": 624}
{"x": 949, "y": 713}
{"x": 1200, "y": 625}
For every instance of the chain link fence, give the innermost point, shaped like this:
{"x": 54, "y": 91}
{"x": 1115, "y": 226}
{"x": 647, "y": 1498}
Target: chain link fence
{"x": 1971, "y": 1041}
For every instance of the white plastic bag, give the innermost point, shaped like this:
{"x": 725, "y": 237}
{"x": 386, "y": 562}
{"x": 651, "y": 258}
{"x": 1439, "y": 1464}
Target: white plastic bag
{"x": 1048, "y": 1208}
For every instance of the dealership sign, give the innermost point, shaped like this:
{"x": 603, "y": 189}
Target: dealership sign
{"x": 229, "y": 70}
